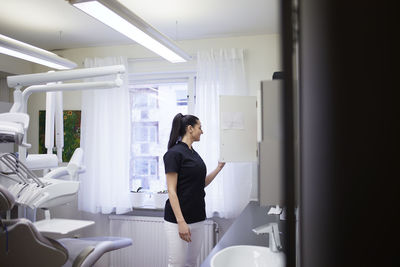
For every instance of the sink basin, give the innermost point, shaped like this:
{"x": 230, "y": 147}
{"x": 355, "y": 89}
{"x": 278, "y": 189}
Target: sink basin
{"x": 249, "y": 256}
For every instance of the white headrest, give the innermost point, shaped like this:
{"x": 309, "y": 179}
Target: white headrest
{"x": 75, "y": 163}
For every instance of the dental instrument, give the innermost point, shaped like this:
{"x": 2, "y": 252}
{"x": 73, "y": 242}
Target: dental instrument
{"x": 15, "y": 166}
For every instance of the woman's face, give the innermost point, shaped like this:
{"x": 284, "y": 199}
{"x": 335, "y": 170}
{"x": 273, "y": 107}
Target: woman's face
{"x": 195, "y": 131}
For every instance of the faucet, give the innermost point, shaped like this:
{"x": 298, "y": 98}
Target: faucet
{"x": 273, "y": 231}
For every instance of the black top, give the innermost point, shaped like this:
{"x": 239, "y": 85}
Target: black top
{"x": 191, "y": 172}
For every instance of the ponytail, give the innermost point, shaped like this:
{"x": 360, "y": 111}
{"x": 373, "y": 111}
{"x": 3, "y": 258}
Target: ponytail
{"x": 175, "y": 130}
{"x": 179, "y": 124}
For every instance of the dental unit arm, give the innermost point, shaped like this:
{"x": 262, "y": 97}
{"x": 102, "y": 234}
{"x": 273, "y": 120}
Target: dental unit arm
{"x": 67, "y": 75}
{"x": 274, "y": 238}
{"x": 51, "y": 82}
{"x": 47, "y": 191}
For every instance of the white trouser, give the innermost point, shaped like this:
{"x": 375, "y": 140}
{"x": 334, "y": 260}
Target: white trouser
{"x": 180, "y": 252}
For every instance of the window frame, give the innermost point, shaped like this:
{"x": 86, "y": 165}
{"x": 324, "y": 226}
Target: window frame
{"x": 148, "y": 125}
{"x": 168, "y": 77}
{"x": 145, "y": 79}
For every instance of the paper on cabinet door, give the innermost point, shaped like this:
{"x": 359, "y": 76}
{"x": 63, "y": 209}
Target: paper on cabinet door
{"x": 232, "y": 120}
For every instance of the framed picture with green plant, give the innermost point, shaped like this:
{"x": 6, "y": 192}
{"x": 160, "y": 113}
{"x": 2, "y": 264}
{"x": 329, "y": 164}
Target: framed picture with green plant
{"x": 72, "y": 132}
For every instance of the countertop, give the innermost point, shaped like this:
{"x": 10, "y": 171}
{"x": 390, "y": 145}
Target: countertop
{"x": 240, "y": 232}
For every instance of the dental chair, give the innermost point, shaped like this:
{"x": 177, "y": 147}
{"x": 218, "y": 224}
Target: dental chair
{"x": 22, "y": 245}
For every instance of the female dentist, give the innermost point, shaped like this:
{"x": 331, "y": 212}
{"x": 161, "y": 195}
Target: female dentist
{"x": 184, "y": 212}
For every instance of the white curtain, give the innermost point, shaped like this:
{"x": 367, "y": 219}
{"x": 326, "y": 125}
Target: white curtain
{"x": 105, "y": 140}
{"x": 221, "y": 72}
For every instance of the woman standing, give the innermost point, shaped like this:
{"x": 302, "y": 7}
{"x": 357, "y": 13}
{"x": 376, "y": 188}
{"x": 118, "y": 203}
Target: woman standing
{"x": 184, "y": 212}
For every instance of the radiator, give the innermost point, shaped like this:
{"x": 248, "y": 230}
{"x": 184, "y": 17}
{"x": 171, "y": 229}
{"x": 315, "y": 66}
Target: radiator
{"x": 149, "y": 247}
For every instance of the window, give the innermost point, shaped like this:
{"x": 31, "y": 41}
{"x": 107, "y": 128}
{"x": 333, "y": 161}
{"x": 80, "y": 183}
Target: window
{"x": 145, "y": 97}
{"x": 181, "y": 97}
{"x": 145, "y": 170}
{"x": 145, "y": 132}
{"x": 153, "y": 106}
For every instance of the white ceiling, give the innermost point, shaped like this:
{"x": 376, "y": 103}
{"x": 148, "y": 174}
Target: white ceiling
{"x": 55, "y": 24}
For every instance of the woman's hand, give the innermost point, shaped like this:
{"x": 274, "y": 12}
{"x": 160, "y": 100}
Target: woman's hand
{"x": 220, "y": 165}
{"x": 184, "y": 231}
{"x": 210, "y": 177}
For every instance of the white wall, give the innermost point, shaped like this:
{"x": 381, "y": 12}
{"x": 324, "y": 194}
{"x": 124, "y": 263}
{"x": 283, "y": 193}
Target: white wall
{"x": 14, "y": 65}
{"x": 11, "y": 66}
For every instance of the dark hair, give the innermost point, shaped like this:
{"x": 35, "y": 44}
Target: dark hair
{"x": 179, "y": 124}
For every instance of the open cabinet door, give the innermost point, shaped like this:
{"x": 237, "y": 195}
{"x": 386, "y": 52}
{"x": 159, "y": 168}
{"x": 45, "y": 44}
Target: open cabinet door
{"x": 238, "y": 128}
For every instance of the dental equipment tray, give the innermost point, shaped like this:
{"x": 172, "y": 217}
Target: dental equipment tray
{"x": 61, "y": 226}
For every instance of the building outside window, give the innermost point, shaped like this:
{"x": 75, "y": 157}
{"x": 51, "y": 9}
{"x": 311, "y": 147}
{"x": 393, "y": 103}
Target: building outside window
{"x": 153, "y": 106}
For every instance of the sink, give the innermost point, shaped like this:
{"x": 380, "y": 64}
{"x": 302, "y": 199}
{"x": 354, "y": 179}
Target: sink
{"x": 249, "y": 256}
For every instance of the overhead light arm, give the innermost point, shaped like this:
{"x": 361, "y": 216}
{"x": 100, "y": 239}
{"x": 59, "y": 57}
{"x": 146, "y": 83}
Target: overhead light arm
{"x": 121, "y": 19}
{"x": 31, "y": 53}
{"x": 68, "y": 75}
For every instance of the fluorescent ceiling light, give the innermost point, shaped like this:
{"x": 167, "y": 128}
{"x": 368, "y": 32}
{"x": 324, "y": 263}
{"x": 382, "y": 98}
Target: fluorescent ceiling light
{"x": 121, "y": 19}
{"x": 31, "y": 53}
